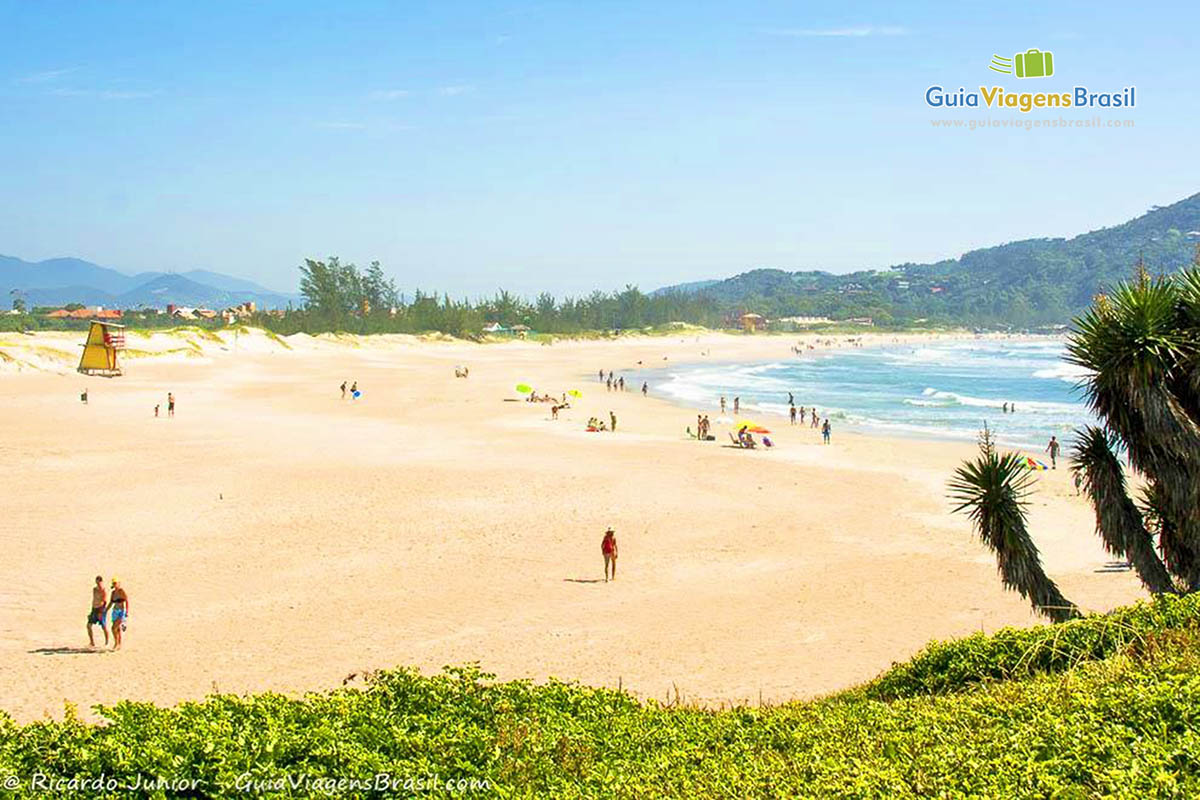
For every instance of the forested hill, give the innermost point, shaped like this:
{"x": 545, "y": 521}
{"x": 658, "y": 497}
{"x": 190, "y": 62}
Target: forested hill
{"x": 1030, "y": 282}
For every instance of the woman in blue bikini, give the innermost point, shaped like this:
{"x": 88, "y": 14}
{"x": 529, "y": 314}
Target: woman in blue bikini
{"x": 119, "y": 611}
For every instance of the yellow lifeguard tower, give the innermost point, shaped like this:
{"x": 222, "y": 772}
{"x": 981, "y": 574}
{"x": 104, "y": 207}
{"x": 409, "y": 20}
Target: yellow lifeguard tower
{"x": 104, "y": 339}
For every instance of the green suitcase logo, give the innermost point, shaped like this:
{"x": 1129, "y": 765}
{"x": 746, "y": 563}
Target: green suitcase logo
{"x": 1033, "y": 63}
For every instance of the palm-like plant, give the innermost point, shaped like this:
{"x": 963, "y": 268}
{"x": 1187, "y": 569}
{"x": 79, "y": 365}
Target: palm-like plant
{"x": 1141, "y": 346}
{"x": 992, "y": 490}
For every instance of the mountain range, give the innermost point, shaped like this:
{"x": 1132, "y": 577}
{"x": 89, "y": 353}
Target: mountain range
{"x": 1028, "y": 282}
{"x": 58, "y": 281}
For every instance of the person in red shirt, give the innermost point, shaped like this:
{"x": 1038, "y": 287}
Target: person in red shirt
{"x": 609, "y": 548}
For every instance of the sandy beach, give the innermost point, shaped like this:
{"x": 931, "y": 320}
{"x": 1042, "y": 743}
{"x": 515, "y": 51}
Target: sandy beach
{"x": 273, "y": 536}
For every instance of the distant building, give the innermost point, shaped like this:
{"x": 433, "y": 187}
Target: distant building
{"x": 804, "y": 322}
{"x": 751, "y": 322}
{"x": 861, "y": 321}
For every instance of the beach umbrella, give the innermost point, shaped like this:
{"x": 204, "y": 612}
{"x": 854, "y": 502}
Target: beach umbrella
{"x": 575, "y": 393}
{"x": 524, "y": 388}
{"x": 1035, "y": 465}
{"x": 752, "y": 427}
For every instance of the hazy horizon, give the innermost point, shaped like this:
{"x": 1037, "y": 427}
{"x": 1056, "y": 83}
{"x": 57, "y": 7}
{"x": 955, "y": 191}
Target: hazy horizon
{"x": 551, "y": 147}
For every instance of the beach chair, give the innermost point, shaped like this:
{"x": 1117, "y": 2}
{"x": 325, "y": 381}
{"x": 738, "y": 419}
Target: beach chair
{"x": 736, "y": 441}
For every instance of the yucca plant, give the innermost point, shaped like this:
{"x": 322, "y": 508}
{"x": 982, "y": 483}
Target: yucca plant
{"x": 992, "y": 489}
{"x": 1141, "y": 346}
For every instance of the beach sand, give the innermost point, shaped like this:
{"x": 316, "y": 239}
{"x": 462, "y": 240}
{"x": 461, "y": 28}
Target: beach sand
{"x": 275, "y": 537}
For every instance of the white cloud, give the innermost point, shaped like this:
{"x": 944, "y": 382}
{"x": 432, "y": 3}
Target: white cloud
{"x": 106, "y": 94}
{"x": 47, "y": 75}
{"x": 451, "y": 91}
{"x": 390, "y": 94}
{"x": 857, "y": 31}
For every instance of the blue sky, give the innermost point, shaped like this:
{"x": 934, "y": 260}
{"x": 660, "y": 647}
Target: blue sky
{"x": 568, "y": 146}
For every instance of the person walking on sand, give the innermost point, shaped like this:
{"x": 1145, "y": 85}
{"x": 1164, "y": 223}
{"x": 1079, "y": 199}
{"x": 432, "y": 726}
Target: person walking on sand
{"x": 825, "y": 430}
{"x": 83, "y": 397}
{"x": 99, "y": 609}
{"x": 792, "y": 414}
{"x": 354, "y": 391}
{"x": 1052, "y": 449}
{"x": 119, "y": 604}
{"x": 613, "y": 418}
{"x": 170, "y": 404}
{"x": 816, "y": 418}
{"x": 645, "y": 388}
{"x": 156, "y": 409}
{"x": 608, "y": 546}
{"x": 722, "y": 405}
{"x": 343, "y": 390}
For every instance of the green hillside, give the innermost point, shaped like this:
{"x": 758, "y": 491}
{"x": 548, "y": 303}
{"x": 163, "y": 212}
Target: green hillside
{"x": 1103, "y": 706}
{"x": 1030, "y": 282}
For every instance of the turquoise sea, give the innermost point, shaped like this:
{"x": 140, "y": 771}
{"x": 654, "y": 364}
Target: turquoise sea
{"x": 943, "y": 390}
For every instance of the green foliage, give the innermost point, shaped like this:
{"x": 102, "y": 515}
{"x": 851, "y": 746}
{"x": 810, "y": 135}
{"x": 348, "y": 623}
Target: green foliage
{"x": 1020, "y": 653}
{"x": 992, "y": 490}
{"x": 1141, "y": 347}
{"x": 340, "y": 298}
{"x": 1104, "y": 706}
{"x": 1026, "y": 283}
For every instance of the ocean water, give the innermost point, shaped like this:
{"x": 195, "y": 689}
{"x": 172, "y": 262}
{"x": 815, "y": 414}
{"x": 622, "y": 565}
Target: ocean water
{"x": 943, "y": 390}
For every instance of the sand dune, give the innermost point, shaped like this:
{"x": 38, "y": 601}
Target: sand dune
{"x": 274, "y": 536}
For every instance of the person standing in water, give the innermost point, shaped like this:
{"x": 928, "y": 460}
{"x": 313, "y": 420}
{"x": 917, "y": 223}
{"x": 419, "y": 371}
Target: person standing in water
{"x": 97, "y": 614}
{"x": 791, "y": 399}
{"x": 737, "y": 404}
{"x": 825, "y": 430}
{"x": 608, "y": 547}
{"x": 792, "y": 414}
{"x": 120, "y": 612}
{"x": 1052, "y": 449}
{"x": 645, "y": 388}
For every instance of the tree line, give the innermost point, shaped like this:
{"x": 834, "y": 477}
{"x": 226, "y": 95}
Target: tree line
{"x": 342, "y": 297}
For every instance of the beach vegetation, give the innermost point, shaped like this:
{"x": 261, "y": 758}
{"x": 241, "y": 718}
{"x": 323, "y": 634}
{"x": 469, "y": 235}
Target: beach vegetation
{"x": 1140, "y": 347}
{"x": 1103, "y": 706}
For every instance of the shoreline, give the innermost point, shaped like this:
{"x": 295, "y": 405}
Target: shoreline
{"x": 274, "y": 537}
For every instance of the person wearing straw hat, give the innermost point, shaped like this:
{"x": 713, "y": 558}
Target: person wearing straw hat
{"x": 608, "y": 546}
{"x": 119, "y": 605}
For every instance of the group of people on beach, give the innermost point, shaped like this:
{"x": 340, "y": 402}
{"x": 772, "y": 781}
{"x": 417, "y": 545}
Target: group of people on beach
{"x": 354, "y": 393}
{"x": 170, "y": 405}
{"x": 108, "y": 609}
{"x": 596, "y": 424}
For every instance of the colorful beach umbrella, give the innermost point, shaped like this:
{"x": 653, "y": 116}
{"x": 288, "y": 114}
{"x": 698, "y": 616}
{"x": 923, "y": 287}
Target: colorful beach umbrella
{"x": 1034, "y": 464}
{"x": 752, "y": 427}
{"x": 524, "y": 388}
